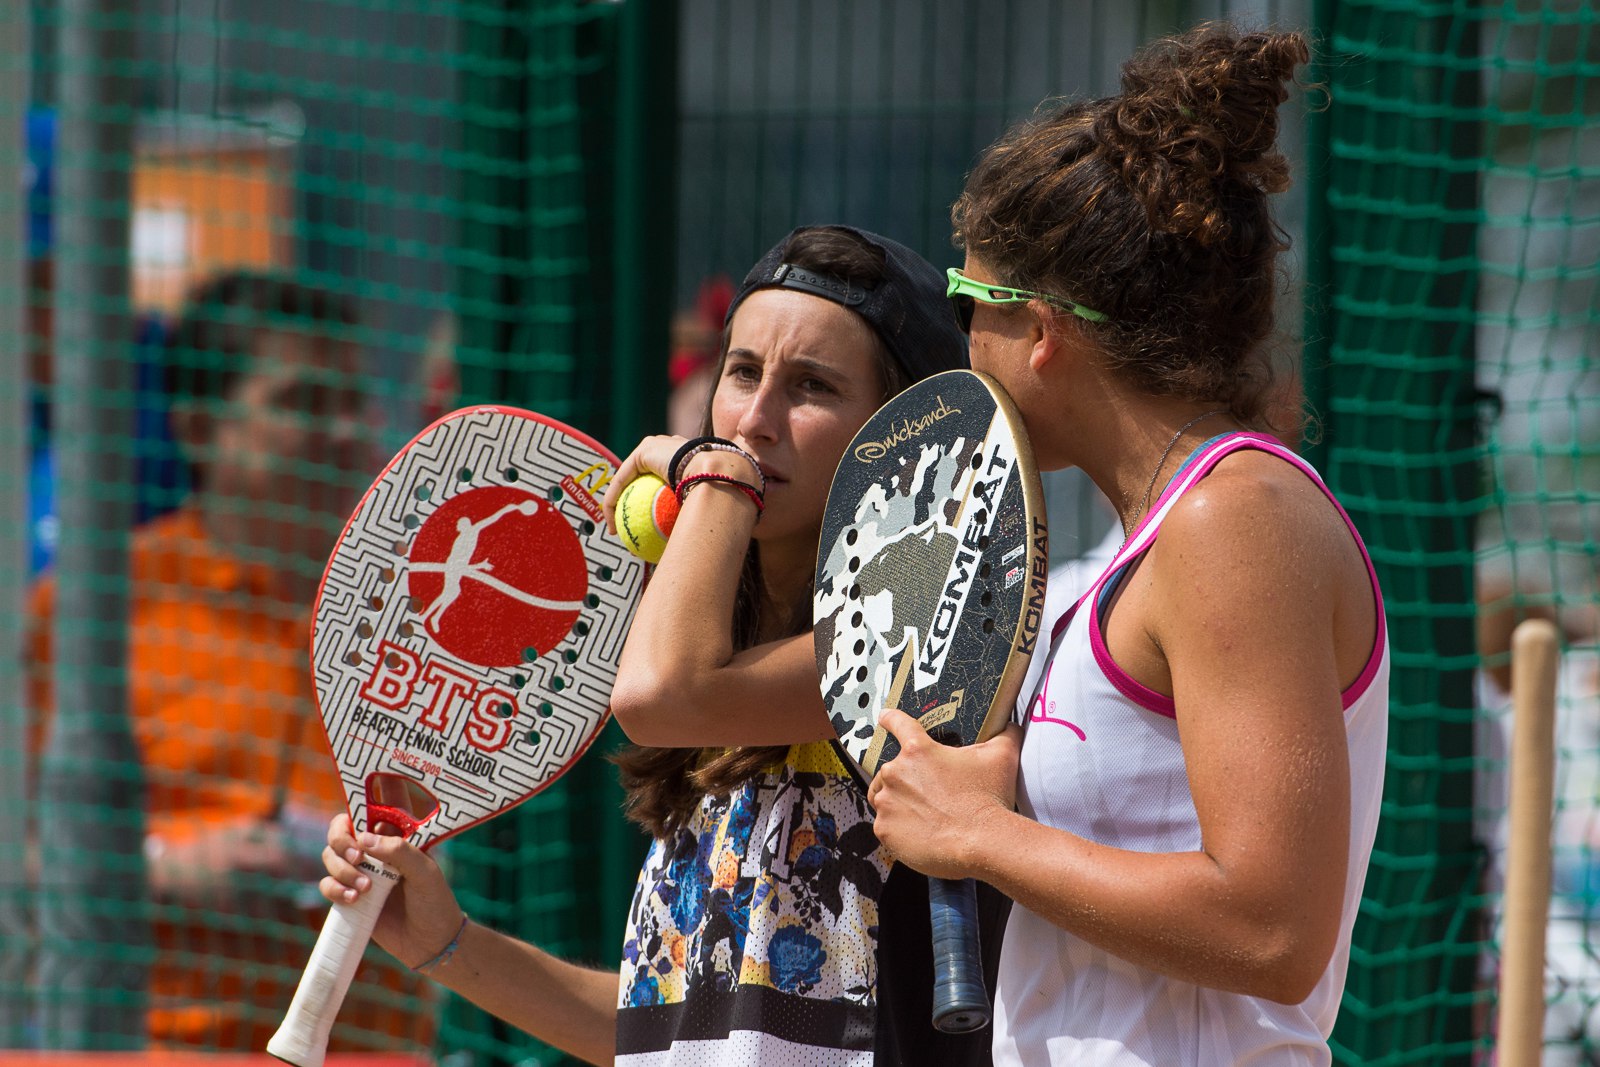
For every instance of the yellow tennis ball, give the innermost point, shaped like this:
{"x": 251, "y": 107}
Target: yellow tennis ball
{"x": 646, "y": 511}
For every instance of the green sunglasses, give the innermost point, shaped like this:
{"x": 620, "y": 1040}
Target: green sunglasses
{"x": 964, "y": 292}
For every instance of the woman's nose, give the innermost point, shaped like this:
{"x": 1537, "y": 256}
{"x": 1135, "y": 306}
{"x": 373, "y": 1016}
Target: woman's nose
{"x": 759, "y": 419}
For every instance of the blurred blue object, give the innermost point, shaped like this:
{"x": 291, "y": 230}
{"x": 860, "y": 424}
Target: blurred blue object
{"x": 41, "y": 154}
{"x": 160, "y": 474}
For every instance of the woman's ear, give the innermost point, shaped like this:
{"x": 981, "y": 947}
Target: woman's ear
{"x": 1046, "y": 334}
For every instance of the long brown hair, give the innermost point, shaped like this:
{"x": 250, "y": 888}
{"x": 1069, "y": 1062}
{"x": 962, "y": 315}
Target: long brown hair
{"x": 1152, "y": 208}
{"x": 664, "y": 786}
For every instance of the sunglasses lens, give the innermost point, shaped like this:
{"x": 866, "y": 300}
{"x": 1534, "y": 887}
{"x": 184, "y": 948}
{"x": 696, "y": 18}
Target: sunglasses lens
{"x": 963, "y": 305}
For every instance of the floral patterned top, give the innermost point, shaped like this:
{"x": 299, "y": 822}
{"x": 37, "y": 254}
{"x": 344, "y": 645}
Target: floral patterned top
{"x": 753, "y": 934}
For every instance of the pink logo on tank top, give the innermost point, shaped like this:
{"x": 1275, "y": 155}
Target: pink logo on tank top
{"x": 1043, "y": 713}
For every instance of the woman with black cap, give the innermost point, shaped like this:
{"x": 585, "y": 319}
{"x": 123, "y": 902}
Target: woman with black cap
{"x": 755, "y": 933}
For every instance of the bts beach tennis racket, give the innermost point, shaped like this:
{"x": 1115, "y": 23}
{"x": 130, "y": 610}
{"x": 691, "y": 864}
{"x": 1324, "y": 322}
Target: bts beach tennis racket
{"x": 464, "y": 647}
{"x": 929, "y": 593}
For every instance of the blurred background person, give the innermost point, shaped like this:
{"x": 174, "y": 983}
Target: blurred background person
{"x": 269, "y": 410}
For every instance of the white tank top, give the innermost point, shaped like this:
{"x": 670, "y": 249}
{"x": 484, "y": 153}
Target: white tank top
{"x": 1101, "y": 759}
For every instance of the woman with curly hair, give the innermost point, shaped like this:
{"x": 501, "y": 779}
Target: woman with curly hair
{"x": 1185, "y": 824}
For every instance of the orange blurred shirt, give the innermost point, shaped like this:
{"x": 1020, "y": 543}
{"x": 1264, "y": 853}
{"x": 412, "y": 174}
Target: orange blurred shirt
{"x": 223, "y": 713}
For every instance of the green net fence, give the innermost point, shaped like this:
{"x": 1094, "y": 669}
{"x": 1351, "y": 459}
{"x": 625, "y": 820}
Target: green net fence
{"x": 533, "y": 201}
{"x": 1453, "y": 251}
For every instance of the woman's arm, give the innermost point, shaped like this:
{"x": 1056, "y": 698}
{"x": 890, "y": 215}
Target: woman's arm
{"x": 680, "y": 682}
{"x": 562, "y": 1004}
{"x": 1241, "y": 599}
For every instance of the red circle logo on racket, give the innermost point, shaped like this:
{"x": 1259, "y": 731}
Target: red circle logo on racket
{"x": 494, "y": 572}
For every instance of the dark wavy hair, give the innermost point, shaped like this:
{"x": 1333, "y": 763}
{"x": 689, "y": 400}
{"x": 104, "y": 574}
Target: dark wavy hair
{"x": 1152, "y": 207}
{"x": 664, "y": 786}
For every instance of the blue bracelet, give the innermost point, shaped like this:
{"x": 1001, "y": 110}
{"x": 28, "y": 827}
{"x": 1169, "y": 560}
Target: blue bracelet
{"x": 446, "y": 952}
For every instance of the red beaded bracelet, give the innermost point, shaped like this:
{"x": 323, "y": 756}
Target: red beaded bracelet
{"x": 756, "y": 496}
{"x": 694, "y": 447}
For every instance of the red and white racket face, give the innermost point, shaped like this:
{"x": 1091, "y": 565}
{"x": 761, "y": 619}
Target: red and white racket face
{"x": 470, "y": 620}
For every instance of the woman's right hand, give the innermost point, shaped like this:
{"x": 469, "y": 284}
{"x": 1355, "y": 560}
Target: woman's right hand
{"x": 421, "y": 915}
{"x": 653, "y": 456}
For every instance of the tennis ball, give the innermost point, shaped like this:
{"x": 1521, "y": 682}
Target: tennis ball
{"x": 646, "y": 511}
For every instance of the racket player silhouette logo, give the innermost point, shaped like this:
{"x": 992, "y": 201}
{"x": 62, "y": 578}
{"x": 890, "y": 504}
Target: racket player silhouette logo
{"x": 495, "y": 572}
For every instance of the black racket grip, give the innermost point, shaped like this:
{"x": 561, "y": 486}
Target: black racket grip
{"x": 960, "y": 1003}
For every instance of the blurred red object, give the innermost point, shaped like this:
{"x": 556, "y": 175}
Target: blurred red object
{"x": 697, "y": 333}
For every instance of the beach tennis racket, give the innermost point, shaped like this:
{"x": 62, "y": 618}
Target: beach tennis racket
{"x": 464, "y": 647}
{"x": 929, "y": 594}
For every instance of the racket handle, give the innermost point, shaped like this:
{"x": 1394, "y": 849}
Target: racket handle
{"x": 960, "y": 1003}
{"x": 302, "y": 1039}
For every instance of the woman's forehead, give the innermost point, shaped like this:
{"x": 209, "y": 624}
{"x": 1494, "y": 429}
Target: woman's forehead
{"x": 788, "y": 325}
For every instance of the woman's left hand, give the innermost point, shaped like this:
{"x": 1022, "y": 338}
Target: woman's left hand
{"x": 936, "y": 805}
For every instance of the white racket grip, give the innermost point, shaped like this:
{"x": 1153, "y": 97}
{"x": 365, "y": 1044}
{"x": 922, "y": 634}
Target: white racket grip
{"x": 302, "y": 1039}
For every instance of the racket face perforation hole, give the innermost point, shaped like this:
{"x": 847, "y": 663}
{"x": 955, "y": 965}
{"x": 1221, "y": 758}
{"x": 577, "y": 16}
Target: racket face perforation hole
{"x": 410, "y": 521}
{"x": 407, "y": 631}
{"x": 862, "y": 701}
{"x": 387, "y": 574}
{"x": 519, "y": 680}
{"x": 464, "y": 474}
{"x": 855, "y": 620}
{"x": 417, "y": 604}
{"x": 988, "y": 626}
{"x": 353, "y": 658}
{"x": 533, "y": 737}
{"x": 529, "y": 655}
{"x": 423, "y": 491}
{"x": 588, "y": 527}
{"x": 392, "y": 661}
{"x": 606, "y": 573}
{"x": 364, "y": 630}
{"x": 984, "y": 570}
{"x": 555, "y": 494}
{"x": 398, "y": 548}
{"x": 505, "y": 709}
{"x": 580, "y": 628}
{"x": 558, "y": 684}
{"x": 570, "y": 655}
{"x": 986, "y": 598}
{"x": 511, "y": 474}
{"x": 591, "y": 601}
{"x": 851, "y": 536}
{"x": 977, "y": 460}
{"x": 375, "y": 602}
{"x": 859, "y": 647}
{"x": 546, "y": 709}
{"x": 861, "y": 673}
{"x": 855, "y": 564}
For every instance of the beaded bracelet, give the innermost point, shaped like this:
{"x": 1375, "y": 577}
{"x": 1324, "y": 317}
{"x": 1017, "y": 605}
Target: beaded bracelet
{"x": 757, "y": 497}
{"x": 445, "y": 953}
{"x": 691, "y": 448}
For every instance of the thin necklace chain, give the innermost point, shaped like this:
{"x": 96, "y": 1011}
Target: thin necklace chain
{"x": 1162, "y": 462}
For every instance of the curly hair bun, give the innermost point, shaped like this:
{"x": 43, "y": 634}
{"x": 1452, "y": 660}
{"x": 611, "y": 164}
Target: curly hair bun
{"x": 1197, "y": 122}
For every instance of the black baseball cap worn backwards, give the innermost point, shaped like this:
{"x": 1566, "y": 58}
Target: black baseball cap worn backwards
{"x": 908, "y": 310}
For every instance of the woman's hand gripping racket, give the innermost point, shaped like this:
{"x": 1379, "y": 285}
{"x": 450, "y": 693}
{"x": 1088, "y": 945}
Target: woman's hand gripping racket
{"x": 929, "y": 593}
{"x": 464, "y": 647}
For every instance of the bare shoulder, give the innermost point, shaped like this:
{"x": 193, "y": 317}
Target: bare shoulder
{"x": 1260, "y": 543}
{"x": 1255, "y": 509}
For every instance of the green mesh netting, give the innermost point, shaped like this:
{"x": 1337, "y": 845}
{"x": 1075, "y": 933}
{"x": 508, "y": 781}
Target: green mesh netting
{"x": 519, "y": 194}
{"x": 1453, "y": 249}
